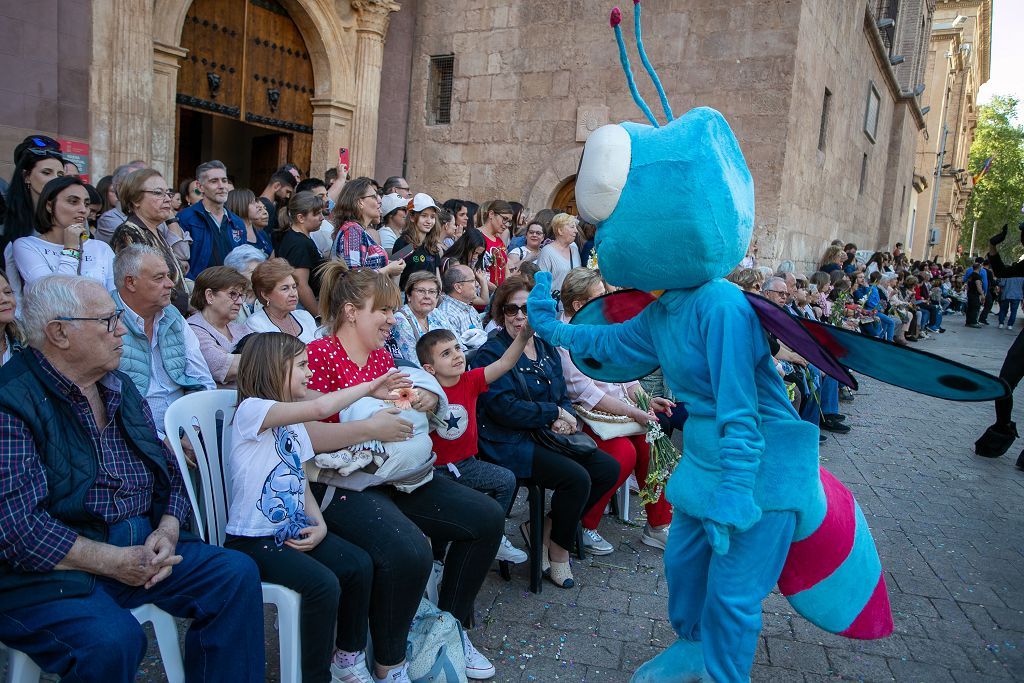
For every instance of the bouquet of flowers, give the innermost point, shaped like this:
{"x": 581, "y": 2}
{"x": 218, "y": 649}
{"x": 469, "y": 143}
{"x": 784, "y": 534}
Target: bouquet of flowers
{"x": 664, "y": 455}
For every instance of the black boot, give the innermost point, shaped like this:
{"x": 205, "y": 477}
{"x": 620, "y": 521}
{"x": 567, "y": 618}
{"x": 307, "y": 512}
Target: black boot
{"x": 996, "y": 440}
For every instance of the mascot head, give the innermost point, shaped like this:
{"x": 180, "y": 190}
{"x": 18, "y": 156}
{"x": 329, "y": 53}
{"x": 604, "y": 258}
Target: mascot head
{"x": 673, "y": 204}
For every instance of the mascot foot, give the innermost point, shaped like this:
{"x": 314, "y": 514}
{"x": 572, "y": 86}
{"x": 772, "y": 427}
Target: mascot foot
{"x": 682, "y": 662}
{"x": 996, "y": 440}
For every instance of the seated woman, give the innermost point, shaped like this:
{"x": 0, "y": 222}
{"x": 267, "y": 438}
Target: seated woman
{"x": 632, "y": 453}
{"x": 60, "y": 244}
{"x": 358, "y": 309}
{"x": 418, "y": 316}
{"x": 274, "y": 283}
{"x": 507, "y": 416}
{"x": 217, "y": 298}
{"x": 11, "y": 338}
{"x": 244, "y": 259}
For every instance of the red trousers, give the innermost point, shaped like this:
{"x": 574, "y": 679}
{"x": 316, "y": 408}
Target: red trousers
{"x": 633, "y": 454}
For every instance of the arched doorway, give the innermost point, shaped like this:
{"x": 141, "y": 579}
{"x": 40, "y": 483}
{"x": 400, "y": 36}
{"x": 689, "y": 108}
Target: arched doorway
{"x": 565, "y": 197}
{"x": 244, "y": 90}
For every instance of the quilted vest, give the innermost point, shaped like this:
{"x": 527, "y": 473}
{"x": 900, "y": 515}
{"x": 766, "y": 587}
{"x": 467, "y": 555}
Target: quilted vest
{"x": 70, "y": 462}
{"x": 170, "y": 334}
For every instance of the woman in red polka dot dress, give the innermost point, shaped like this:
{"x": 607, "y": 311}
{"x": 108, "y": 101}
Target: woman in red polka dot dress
{"x": 358, "y": 307}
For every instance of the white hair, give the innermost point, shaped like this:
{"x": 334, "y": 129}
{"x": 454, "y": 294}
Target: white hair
{"x": 128, "y": 262}
{"x": 52, "y": 297}
{"x": 239, "y": 257}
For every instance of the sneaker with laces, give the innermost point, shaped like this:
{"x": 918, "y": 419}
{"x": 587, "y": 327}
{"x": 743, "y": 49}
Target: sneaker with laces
{"x": 478, "y": 667}
{"x": 594, "y": 544}
{"x": 656, "y": 538}
{"x": 350, "y": 672}
{"x": 399, "y": 675}
{"x": 509, "y": 553}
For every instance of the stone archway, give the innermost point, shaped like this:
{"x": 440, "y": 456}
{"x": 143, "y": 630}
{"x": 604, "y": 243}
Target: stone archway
{"x": 553, "y": 177}
{"x": 137, "y": 48}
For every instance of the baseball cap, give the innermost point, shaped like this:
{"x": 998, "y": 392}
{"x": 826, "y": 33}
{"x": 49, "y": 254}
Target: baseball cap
{"x": 421, "y": 202}
{"x": 392, "y": 202}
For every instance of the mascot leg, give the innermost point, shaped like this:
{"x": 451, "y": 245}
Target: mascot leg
{"x": 737, "y": 583}
{"x": 998, "y": 438}
{"x": 687, "y": 556}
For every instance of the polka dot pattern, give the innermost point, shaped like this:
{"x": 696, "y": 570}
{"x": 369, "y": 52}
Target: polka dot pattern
{"x": 333, "y": 370}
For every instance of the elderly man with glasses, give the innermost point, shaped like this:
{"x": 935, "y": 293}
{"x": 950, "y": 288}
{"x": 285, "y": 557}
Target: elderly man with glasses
{"x": 91, "y": 508}
{"x": 461, "y": 287}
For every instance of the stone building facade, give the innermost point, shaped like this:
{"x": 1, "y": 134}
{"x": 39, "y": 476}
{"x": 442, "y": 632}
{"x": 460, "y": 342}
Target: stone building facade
{"x": 959, "y": 63}
{"x": 797, "y": 79}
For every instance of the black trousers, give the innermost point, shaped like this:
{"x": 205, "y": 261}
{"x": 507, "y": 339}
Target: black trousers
{"x": 973, "y": 306}
{"x": 987, "y": 308}
{"x": 390, "y": 526}
{"x": 577, "y": 483}
{"x": 1012, "y": 372}
{"x": 334, "y": 581}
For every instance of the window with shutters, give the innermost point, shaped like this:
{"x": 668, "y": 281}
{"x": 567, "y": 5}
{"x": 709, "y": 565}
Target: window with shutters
{"x": 439, "y": 90}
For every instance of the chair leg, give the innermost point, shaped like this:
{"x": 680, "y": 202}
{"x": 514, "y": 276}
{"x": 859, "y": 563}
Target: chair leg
{"x": 622, "y": 502}
{"x": 503, "y": 570}
{"x": 579, "y": 541}
{"x": 167, "y": 642}
{"x": 536, "y": 500}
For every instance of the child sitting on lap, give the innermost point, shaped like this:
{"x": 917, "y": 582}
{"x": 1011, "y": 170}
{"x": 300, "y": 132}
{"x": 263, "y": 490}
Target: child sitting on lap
{"x": 455, "y": 439}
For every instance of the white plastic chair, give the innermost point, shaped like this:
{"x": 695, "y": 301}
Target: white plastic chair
{"x": 21, "y": 668}
{"x": 622, "y": 499}
{"x": 198, "y": 415}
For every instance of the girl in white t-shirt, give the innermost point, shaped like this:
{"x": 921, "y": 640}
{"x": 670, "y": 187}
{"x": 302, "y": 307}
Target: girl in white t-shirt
{"x": 274, "y": 518}
{"x": 59, "y": 244}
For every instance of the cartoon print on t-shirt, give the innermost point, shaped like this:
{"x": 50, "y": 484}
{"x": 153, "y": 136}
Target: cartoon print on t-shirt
{"x": 283, "y": 491}
{"x": 455, "y": 424}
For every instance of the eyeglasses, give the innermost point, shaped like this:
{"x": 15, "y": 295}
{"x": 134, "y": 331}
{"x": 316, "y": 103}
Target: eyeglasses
{"x": 160, "y": 193}
{"x": 111, "y": 320}
{"x": 405, "y": 189}
{"x": 462, "y": 282}
{"x": 776, "y": 291}
{"x": 424, "y": 292}
{"x": 234, "y": 295}
{"x": 507, "y": 222}
{"x": 369, "y": 196}
{"x": 511, "y": 310}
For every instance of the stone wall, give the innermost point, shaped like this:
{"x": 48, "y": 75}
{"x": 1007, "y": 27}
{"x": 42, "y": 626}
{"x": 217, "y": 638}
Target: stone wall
{"x": 44, "y": 77}
{"x": 530, "y": 79}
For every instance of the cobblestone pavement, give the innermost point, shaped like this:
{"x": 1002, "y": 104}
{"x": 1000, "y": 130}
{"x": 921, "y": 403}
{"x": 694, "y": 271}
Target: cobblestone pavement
{"x": 949, "y": 527}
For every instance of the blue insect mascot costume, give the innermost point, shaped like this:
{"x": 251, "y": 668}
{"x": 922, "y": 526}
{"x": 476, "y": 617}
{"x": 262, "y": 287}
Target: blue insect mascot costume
{"x": 752, "y": 508}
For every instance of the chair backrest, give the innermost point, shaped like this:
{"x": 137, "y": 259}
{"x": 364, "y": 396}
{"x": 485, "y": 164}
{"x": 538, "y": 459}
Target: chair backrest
{"x": 204, "y": 418}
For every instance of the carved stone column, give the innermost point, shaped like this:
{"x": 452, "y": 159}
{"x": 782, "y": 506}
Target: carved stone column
{"x": 332, "y": 128}
{"x": 373, "y": 17}
{"x": 163, "y": 108}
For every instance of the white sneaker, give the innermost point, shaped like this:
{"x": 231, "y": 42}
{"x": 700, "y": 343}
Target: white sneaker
{"x": 478, "y": 667}
{"x": 656, "y": 538}
{"x": 509, "y": 553}
{"x": 594, "y": 544}
{"x": 355, "y": 673}
{"x": 399, "y": 675}
{"x": 1001, "y": 326}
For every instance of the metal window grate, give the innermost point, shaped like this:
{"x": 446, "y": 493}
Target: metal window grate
{"x": 439, "y": 90}
{"x": 826, "y": 104}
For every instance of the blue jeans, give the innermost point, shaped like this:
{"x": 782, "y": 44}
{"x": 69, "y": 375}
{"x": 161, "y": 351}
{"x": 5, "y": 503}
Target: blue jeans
{"x": 1011, "y": 306}
{"x": 888, "y": 326}
{"x": 829, "y": 395}
{"x": 96, "y": 638}
{"x": 496, "y": 481}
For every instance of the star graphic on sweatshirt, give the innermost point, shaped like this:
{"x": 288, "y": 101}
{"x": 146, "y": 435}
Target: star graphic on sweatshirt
{"x": 452, "y": 421}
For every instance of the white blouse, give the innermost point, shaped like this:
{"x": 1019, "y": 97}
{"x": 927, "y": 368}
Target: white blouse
{"x": 259, "y": 322}
{"x": 35, "y": 258}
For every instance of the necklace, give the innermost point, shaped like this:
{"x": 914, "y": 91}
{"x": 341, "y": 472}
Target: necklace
{"x": 292, "y": 327}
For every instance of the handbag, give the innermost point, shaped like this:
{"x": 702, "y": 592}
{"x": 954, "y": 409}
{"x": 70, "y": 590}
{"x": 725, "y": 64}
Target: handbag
{"x": 570, "y": 445}
{"x": 608, "y": 426}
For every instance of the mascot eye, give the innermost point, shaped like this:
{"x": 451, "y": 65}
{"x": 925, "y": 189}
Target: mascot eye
{"x": 603, "y": 172}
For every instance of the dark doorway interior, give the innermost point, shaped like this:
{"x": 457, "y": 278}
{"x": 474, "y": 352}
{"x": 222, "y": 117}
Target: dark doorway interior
{"x": 251, "y": 153}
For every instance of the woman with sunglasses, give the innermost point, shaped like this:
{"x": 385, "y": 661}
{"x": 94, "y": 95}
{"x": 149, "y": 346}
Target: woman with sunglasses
{"x": 217, "y": 298}
{"x": 146, "y": 198}
{"x": 507, "y": 416}
{"x": 60, "y": 246}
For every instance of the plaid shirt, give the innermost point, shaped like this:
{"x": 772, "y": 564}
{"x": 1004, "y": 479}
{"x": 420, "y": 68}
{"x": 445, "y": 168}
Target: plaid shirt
{"x": 32, "y": 540}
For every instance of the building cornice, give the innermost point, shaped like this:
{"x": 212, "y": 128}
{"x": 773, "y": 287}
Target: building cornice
{"x": 881, "y": 55}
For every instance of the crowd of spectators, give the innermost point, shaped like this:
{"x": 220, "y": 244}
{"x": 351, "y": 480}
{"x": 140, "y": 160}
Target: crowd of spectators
{"x": 305, "y": 298}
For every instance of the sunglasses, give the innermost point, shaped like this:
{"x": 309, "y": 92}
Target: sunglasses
{"x": 511, "y": 310}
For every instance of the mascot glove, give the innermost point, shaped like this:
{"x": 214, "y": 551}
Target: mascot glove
{"x": 543, "y": 313}
{"x": 730, "y": 512}
{"x": 999, "y": 236}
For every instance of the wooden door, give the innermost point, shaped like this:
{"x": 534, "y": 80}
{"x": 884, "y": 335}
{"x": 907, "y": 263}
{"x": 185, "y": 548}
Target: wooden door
{"x": 248, "y": 61}
{"x": 565, "y": 197}
{"x": 269, "y": 153}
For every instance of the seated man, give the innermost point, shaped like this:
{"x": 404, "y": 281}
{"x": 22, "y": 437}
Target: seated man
{"x": 161, "y": 352}
{"x": 91, "y": 505}
{"x": 460, "y": 288}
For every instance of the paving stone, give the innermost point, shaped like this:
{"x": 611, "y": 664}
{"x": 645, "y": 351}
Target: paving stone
{"x": 792, "y": 654}
{"x": 917, "y": 672}
{"x": 858, "y": 666}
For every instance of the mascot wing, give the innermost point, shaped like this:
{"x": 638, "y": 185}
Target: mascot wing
{"x": 610, "y": 309}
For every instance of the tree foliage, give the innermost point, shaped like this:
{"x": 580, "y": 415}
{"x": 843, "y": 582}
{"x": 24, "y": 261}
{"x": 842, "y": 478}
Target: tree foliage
{"x": 999, "y": 195}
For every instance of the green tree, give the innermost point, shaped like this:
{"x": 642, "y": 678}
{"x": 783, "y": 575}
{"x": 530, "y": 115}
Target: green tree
{"x": 999, "y": 195}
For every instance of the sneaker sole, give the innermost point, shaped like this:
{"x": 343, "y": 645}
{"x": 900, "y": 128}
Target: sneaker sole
{"x": 647, "y": 540}
{"x": 480, "y": 675}
{"x": 509, "y": 559}
{"x": 595, "y": 551}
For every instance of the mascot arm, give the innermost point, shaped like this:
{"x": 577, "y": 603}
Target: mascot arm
{"x": 1003, "y": 270}
{"x": 625, "y": 343}
{"x": 730, "y": 333}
